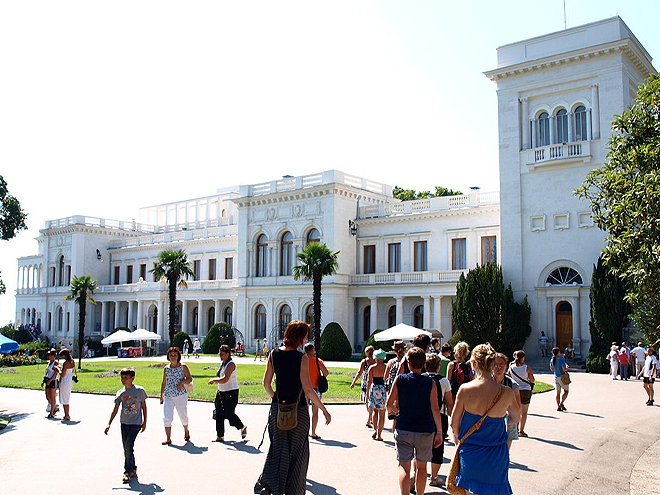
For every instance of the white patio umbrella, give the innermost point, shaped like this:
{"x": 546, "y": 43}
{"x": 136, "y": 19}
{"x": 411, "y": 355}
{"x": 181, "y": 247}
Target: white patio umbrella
{"x": 400, "y": 332}
{"x": 144, "y": 334}
{"x": 118, "y": 336}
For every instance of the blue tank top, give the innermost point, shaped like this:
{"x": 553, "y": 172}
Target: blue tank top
{"x": 415, "y": 403}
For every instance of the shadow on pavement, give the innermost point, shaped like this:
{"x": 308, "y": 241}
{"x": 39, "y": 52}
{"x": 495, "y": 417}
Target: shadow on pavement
{"x": 320, "y": 488}
{"x": 542, "y": 416}
{"x": 557, "y": 443}
{"x": 243, "y": 447}
{"x": 521, "y": 467}
{"x": 70, "y": 422}
{"x": 190, "y": 447}
{"x": 584, "y": 414}
{"x": 336, "y": 443}
{"x": 136, "y": 486}
{"x": 10, "y": 419}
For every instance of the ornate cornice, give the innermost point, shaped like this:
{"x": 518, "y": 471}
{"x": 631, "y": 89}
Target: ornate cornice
{"x": 490, "y": 208}
{"x": 333, "y": 189}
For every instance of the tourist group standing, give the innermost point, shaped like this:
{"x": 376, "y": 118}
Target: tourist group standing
{"x": 59, "y": 377}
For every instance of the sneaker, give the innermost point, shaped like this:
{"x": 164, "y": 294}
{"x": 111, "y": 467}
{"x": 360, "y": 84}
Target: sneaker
{"x": 563, "y": 407}
{"x": 435, "y": 481}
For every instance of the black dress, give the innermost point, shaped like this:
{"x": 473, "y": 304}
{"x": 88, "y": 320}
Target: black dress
{"x": 285, "y": 470}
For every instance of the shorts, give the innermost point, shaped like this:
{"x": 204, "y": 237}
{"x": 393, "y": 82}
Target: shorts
{"x": 525, "y": 396}
{"x": 559, "y": 384}
{"x": 438, "y": 454}
{"x": 52, "y": 384}
{"x": 649, "y": 380}
{"x": 512, "y": 432}
{"x": 413, "y": 444}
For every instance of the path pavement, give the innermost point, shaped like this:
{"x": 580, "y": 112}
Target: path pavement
{"x": 606, "y": 442}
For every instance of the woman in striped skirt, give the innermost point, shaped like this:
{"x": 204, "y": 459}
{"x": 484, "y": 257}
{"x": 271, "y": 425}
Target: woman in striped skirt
{"x": 285, "y": 470}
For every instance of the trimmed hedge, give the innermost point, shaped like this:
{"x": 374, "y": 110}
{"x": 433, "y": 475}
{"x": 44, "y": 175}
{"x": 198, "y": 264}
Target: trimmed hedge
{"x": 179, "y": 339}
{"x": 219, "y": 334}
{"x": 334, "y": 343}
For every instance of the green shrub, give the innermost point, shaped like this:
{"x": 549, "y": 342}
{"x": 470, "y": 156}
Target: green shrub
{"x": 8, "y": 331}
{"x": 226, "y": 334}
{"x": 212, "y": 343}
{"x": 386, "y": 345}
{"x": 34, "y": 346}
{"x": 18, "y": 360}
{"x": 334, "y": 343}
{"x": 597, "y": 361}
{"x": 179, "y": 339}
{"x": 23, "y": 336}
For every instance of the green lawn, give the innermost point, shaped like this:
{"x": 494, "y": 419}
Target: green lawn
{"x": 150, "y": 375}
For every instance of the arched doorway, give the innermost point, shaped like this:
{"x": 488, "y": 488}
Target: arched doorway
{"x": 564, "y": 320}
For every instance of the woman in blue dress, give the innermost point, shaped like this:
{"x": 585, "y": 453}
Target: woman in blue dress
{"x": 484, "y": 456}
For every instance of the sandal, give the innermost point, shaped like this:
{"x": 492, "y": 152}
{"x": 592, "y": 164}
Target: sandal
{"x": 167, "y": 442}
{"x": 522, "y": 434}
{"x": 315, "y": 437}
{"x": 125, "y": 478}
{"x": 243, "y": 432}
{"x": 187, "y": 437}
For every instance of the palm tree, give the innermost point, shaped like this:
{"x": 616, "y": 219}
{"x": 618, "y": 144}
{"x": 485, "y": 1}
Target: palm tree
{"x": 316, "y": 261}
{"x": 80, "y": 290}
{"x": 175, "y": 267}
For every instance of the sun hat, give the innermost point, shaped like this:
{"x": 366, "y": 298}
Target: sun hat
{"x": 399, "y": 344}
{"x": 380, "y": 354}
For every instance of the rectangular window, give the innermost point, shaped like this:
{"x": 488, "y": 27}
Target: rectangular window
{"x": 394, "y": 257}
{"x": 212, "y": 269}
{"x": 143, "y": 271}
{"x": 369, "y": 259}
{"x": 116, "y": 277}
{"x": 129, "y": 274}
{"x": 458, "y": 254}
{"x": 196, "y": 270}
{"x": 488, "y": 249}
{"x": 68, "y": 275}
{"x": 420, "y": 256}
{"x": 68, "y": 321}
{"x": 229, "y": 268}
{"x": 52, "y": 276}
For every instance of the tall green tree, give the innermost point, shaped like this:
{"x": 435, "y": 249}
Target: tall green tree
{"x": 624, "y": 195}
{"x": 485, "y": 311}
{"x": 176, "y": 268}
{"x": 12, "y": 218}
{"x": 647, "y": 317}
{"x": 80, "y": 290}
{"x": 315, "y": 262}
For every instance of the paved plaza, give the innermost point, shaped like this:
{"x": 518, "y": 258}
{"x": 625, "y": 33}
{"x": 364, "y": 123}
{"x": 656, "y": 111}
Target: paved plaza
{"x": 606, "y": 443}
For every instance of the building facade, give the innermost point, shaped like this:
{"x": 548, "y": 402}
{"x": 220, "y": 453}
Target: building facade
{"x": 398, "y": 261}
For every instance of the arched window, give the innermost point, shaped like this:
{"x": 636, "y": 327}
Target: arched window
{"x": 581, "y": 123}
{"x": 286, "y": 254}
{"x": 260, "y": 322}
{"x": 391, "y": 317}
{"x": 262, "y": 250}
{"x": 313, "y": 236}
{"x": 60, "y": 276}
{"x": 564, "y": 276}
{"x": 211, "y": 318}
{"x": 561, "y": 118}
{"x": 544, "y": 129}
{"x": 229, "y": 313}
{"x": 58, "y": 321}
{"x": 309, "y": 314}
{"x": 285, "y": 319}
{"x": 418, "y": 317}
{"x": 366, "y": 323}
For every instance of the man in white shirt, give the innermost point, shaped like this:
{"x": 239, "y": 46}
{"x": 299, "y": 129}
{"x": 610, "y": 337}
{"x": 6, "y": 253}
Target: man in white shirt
{"x": 650, "y": 368}
{"x": 640, "y": 356}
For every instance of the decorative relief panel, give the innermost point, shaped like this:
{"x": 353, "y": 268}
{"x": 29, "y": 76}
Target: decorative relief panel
{"x": 537, "y": 223}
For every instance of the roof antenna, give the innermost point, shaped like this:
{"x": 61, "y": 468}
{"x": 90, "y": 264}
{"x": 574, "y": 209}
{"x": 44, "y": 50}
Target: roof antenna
{"x": 564, "y": 15}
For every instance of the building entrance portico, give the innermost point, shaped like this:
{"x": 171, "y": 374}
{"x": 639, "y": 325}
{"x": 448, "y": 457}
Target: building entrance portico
{"x": 564, "y": 324}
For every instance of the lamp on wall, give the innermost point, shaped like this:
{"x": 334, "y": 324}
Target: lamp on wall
{"x": 98, "y": 255}
{"x": 352, "y": 227}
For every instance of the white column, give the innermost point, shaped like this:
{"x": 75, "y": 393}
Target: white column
{"x": 569, "y": 119}
{"x": 271, "y": 269}
{"x": 351, "y": 331}
{"x": 129, "y": 322}
{"x": 234, "y": 315}
{"x": 200, "y": 318}
{"x": 589, "y": 126}
{"x": 117, "y": 312}
{"x": 525, "y": 123}
{"x": 140, "y": 317}
{"x": 535, "y": 124}
{"x": 218, "y": 316}
{"x": 551, "y": 122}
{"x": 427, "y": 312}
{"x": 595, "y": 112}
{"x": 374, "y": 314}
{"x": 577, "y": 333}
{"x": 437, "y": 314}
{"x": 399, "y": 310}
{"x": 162, "y": 318}
{"x": 104, "y": 317}
{"x": 184, "y": 316}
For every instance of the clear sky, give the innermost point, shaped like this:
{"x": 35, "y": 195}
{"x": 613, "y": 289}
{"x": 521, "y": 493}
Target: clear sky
{"x": 106, "y": 107}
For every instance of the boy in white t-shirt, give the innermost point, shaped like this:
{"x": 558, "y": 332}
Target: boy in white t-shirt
{"x": 640, "y": 356}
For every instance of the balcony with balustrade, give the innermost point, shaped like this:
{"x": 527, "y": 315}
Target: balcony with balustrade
{"x": 442, "y": 276}
{"x": 556, "y": 154}
{"x": 442, "y": 203}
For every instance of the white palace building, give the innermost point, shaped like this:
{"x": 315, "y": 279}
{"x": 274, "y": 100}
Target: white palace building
{"x": 399, "y": 261}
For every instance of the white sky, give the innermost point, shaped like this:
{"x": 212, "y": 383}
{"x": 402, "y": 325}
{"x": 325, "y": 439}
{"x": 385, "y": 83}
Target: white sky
{"x": 106, "y": 107}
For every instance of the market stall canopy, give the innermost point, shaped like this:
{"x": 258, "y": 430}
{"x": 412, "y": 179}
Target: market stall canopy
{"x": 118, "y": 336}
{"x": 400, "y": 332}
{"x": 7, "y": 345}
{"x": 143, "y": 334}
